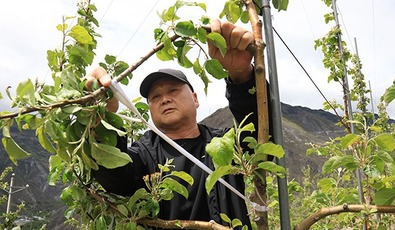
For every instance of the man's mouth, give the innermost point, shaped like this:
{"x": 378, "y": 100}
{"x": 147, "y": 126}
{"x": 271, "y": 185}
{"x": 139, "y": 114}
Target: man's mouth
{"x": 168, "y": 110}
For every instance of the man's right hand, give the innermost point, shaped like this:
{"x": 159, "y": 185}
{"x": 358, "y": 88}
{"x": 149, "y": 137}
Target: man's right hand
{"x": 100, "y": 74}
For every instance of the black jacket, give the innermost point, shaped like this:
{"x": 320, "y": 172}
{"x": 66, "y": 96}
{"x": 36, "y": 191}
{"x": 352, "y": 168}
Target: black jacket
{"x": 151, "y": 150}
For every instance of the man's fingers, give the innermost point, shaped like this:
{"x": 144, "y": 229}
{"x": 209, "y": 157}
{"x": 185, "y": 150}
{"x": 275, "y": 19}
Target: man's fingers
{"x": 236, "y": 37}
{"x": 99, "y": 74}
{"x": 215, "y": 25}
{"x": 246, "y": 39}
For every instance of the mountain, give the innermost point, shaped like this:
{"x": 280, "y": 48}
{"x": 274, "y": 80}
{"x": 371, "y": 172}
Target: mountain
{"x": 301, "y": 125}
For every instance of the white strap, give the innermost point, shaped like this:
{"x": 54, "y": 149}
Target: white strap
{"x": 121, "y": 96}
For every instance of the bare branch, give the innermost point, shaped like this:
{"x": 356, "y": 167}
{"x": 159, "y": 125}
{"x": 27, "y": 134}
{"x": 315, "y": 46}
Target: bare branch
{"x": 159, "y": 223}
{"x": 183, "y": 224}
{"x": 324, "y": 212}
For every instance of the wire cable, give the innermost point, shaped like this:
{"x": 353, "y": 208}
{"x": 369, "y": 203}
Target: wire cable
{"x": 105, "y": 12}
{"x": 308, "y": 75}
{"x": 345, "y": 28}
{"x": 138, "y": 28}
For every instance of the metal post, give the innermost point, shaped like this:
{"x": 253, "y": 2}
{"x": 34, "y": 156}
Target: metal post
{"x": 276, "y": 116}
{"x": 360, "y": 74}
{"x": 10, "y": 193}
{"x": 350, "y": 115}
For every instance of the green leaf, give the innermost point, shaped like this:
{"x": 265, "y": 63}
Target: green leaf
{"x": 166, "y": 194}
{"x": 81, "y": 35}
{"x": 109, "y": 156}
{"x": 101, "y": 223}
{"x": 197, "y": 68}
{"x": 43, "y": 139}
{"x": 183, "y": 175}
{"x": 215, "y": 68}
{"x": 202, "y": 35}
{"x": 110, "y": 127}
{"x": 140, "y": 194}
{"x": 67, "y": 195}
{"x": 348, "y": 140}
{"x": 168, "y": 52}
{"x": 62, "y": 27}
{"x": 7, "y": 131}
{"x": 273, "y": 168}
{"x": 88, "y": 161}
{"x": 225, "y": 218}
{"x": 385, "y": 141}
{"x": 182, "y": 56}
{"x": 384, "y": 196}
{"x": 252, "y": 143}
{"x": 218, "y": 41}
{"x": 236, "y": 222}
{"x": 54, "y": 161}
{"x": 218, "y": 173}
{"x": 69, "y": 83}
{"x": 71, "y": 109}
{"x": 389, "y": 94}
{"x": 185, "y": 29}
{"x": 169, "y": 15}
{"x": 25, "y": 92}
{"x": 385, "y": 157}
{"x": 371, "y": 171}
{"x": 338, "y": 161}
{"x": 52, "y": 59}
{"x": 80, "y": 55}
{"x": 244, "y": 18}
{"x": 56, "y": 169}
{"x": 14, "y": 151}
{"x": 248, "y": 128}
{"x": 232, "y": 11}
{"x": 221, "y": 148}
{"x": 175, "y": 186}
{"x": 326, "y": 184}
{"x": 269, "y": 148}
{"x": 280, "y": 4}
{"x": 62, "y": 151}
{"x": 110, "y": 59}
{"x": 122, "y": 209}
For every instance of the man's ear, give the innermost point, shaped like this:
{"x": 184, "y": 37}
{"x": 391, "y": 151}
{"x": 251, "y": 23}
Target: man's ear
{"x": 195, "y": 98}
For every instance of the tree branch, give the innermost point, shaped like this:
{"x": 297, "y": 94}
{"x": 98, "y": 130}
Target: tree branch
{"x": 101, "y": 90}
{"x": 324, "y": 212}
{"x": 259, "y": 195}
{"x": 159, "y": 223}
{"x": 182, "y": 224}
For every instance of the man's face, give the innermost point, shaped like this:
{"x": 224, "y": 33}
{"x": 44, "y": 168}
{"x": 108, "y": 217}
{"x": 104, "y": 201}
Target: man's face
{"x": 172, "y": 104}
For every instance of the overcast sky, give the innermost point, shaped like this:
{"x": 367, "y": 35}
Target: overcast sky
{"x": 28, "y": 30}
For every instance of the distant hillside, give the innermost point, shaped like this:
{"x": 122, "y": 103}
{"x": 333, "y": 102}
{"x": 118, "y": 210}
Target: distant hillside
{"x": 300, "y": 126}
{"x": 42, "y": 200}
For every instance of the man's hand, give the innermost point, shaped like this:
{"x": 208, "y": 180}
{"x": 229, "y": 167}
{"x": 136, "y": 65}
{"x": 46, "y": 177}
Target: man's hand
{"x": 237, "y": 59}
{"x": 104, "y": 79}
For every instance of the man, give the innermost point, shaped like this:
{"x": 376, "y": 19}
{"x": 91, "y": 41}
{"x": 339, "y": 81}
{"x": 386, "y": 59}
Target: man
{"x": 173, "y": 104}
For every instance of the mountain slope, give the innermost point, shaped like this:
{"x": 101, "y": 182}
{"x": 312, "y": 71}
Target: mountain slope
{"x": 301, "y": 126}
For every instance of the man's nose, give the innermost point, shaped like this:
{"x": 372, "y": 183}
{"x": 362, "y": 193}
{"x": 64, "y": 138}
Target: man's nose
{"x": 165, "y": 100}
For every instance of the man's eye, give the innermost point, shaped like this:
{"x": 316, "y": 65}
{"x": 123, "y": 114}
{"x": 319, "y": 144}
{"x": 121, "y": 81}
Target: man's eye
{"x": 153, "y": 98}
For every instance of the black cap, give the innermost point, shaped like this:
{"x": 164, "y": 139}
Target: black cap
{"x": 151, "y": 78}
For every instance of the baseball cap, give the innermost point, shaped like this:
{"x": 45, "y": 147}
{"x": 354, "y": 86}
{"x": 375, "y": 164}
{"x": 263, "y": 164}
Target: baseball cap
{"x": 152, "y": 77}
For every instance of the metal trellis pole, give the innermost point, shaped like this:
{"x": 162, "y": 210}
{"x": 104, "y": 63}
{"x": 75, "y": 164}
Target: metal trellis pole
{"x": 350, "y": 115}
{"x": 275, "y": 110}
